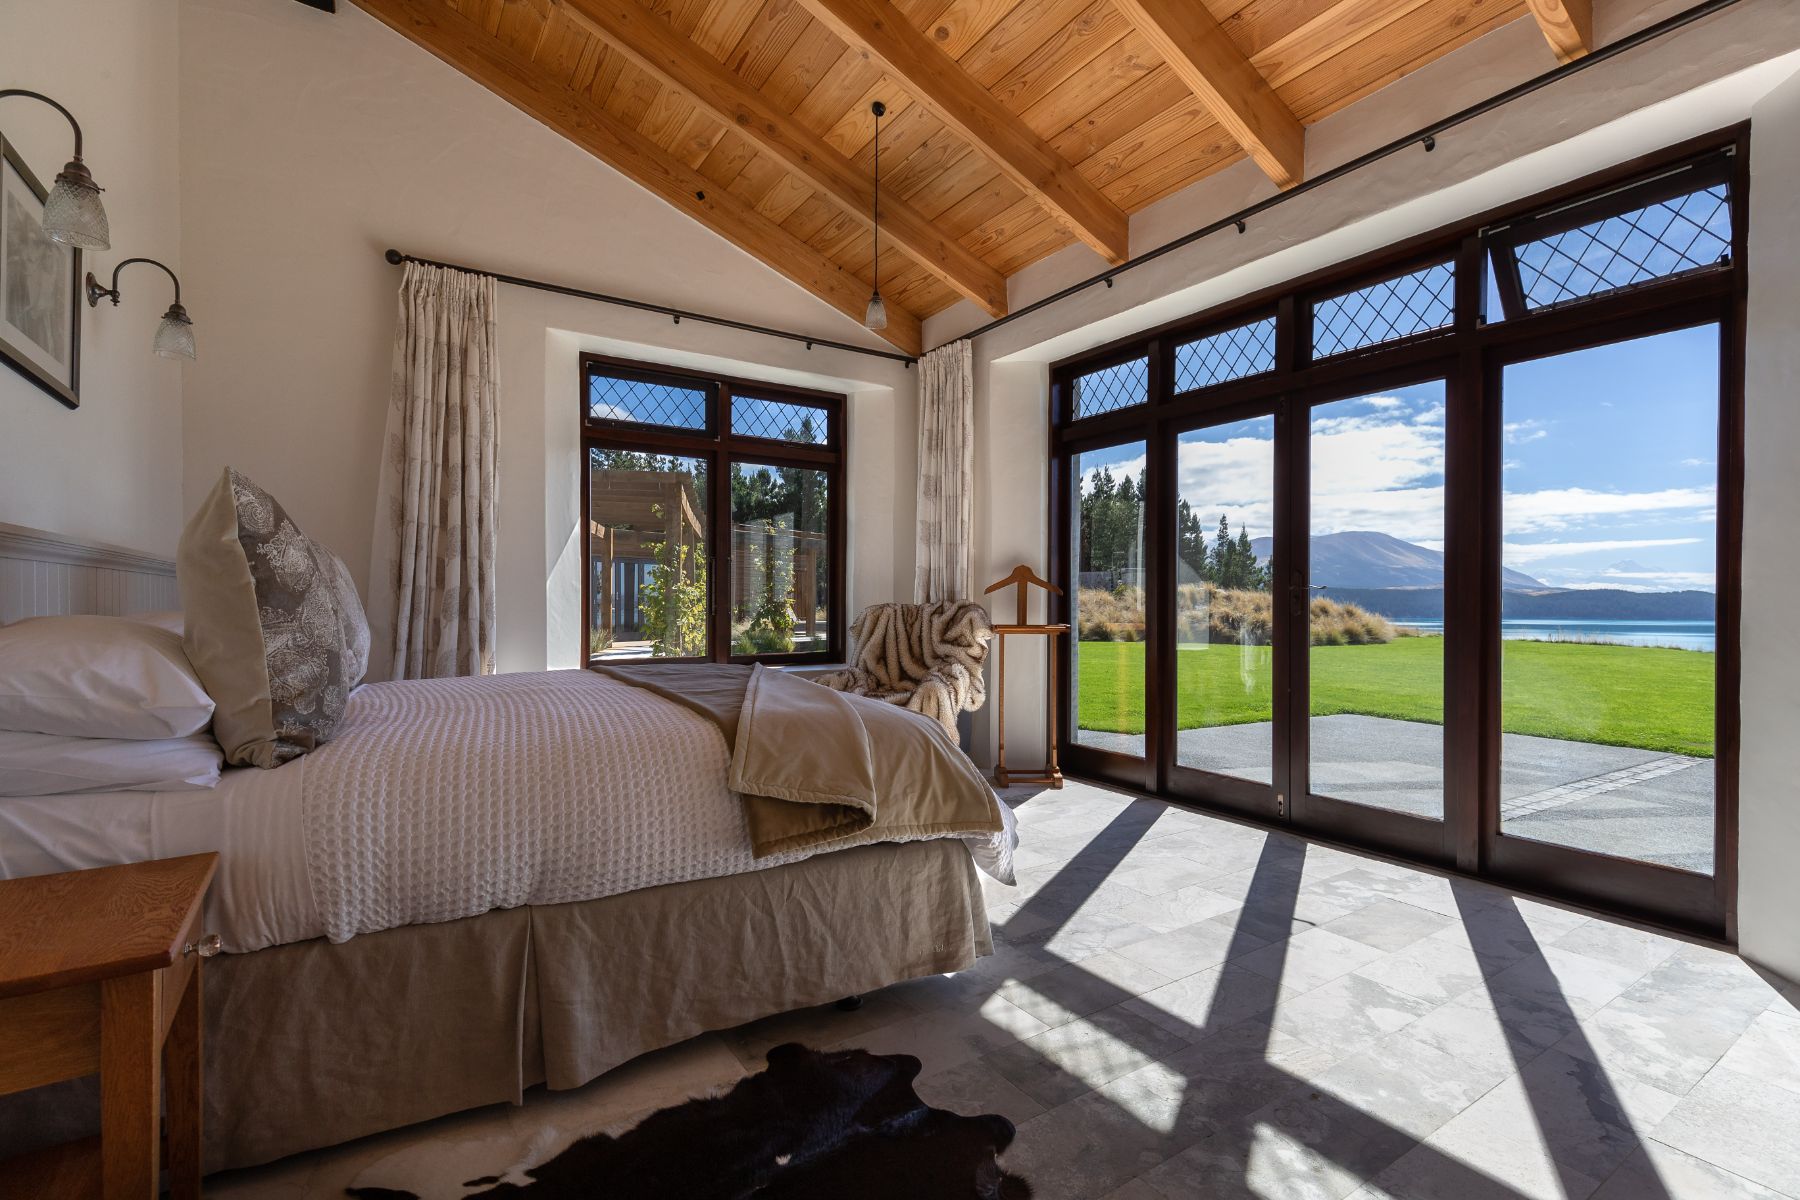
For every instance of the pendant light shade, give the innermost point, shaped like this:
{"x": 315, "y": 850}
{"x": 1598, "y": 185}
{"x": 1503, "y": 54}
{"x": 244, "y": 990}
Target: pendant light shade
{"x": 175, "y": 336}
{"x": 73, "y": 214}
{"x": 876, "y": 316}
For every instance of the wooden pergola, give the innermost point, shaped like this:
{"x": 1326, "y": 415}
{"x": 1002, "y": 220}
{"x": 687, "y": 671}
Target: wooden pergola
{"x": 632, "y": 515}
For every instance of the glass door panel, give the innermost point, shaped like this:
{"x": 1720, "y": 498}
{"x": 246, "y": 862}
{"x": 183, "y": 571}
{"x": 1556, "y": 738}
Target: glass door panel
{"x": 780, "y": 559}
{"x": 1107, "y": 604}
{"x": 1376, "y": 600}
{"x": 1609, "y": 522}
{"x": 649, "y": 585}
{"x": 1224, "y": 612}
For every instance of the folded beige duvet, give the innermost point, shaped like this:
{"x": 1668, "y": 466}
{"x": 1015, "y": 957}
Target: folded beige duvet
{"x": 805, "y": 759}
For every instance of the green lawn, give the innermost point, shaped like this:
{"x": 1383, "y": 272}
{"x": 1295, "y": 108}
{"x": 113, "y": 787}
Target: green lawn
{"x": 1648, "y": 697}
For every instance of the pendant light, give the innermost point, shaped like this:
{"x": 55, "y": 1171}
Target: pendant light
{"x": 876, "y": 317}
{"x": 73, "y": 214}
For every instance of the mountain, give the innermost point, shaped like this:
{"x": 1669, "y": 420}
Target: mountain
{"x": 1366, "y": 559}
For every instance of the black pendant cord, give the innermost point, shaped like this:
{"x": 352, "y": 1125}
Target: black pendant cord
{"x": 1425, "y": 138}
{"x": 678, "y": 315}
{"x": 875, "y": 212}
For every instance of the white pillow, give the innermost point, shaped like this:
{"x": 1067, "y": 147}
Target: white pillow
{"x": 100, "y": 677}
{"x": 44, "y": 764}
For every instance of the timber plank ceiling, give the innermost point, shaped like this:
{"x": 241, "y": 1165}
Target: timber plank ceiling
{"x": 1014, "y": 127}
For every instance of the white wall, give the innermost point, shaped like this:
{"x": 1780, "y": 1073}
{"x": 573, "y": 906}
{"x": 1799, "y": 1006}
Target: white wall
{"x": 1769, "y": 783}
{"x": 311, "y": 142}
{"x": 108, "y": 470}
{"x": 1701, "y": 79}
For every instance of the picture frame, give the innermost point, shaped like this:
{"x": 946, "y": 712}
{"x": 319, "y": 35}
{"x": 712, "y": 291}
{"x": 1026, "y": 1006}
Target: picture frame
{"x": 40, "y": 287}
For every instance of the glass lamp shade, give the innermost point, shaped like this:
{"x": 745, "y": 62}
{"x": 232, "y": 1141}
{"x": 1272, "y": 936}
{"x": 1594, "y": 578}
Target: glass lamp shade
{"x": 175, "y": 336}
{"x": 876, "y": 317}
{"x": 73, "y": 214}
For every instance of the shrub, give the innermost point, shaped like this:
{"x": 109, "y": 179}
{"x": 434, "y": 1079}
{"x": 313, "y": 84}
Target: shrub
{"x": 1207, "y": 614}
{"x": 1111, "y": 616}
{"x": 672, "y": 602}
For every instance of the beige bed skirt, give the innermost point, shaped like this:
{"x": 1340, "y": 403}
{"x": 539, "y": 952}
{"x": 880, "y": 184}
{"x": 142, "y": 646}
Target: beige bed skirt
{"x": 312, "y": 1044}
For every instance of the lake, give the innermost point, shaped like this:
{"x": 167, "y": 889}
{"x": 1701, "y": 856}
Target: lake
{"x": 1683, "y": 635}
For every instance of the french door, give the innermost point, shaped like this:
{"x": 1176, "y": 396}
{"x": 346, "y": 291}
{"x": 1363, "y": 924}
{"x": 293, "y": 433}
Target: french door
{"x": 1280, "y": 514}
{"x": 1437, "y": 554}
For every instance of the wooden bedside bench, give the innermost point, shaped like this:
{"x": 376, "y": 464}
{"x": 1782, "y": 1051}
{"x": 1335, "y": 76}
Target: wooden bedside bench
{"x": 100, "y": 971}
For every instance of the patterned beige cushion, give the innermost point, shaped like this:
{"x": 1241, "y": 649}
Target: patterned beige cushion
{"x": 356, "y": 622}
{"x": 274, "y": 628}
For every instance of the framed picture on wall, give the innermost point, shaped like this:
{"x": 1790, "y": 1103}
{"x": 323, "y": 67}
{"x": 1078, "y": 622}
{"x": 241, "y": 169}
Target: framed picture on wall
{"x": 40, "y": 282}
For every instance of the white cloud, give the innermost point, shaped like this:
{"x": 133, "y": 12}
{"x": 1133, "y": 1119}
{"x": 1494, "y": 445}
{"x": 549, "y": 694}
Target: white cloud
{"x": 1375, "y": 473}
{"x": 1560, "y": 508}
{"x": 1520, "y": 432}
{"x": 1634, "y": 581}
{"x": 1695, "y": 579}
{"x": 1698, "y": 462}
{"x": 1378, "y": 471}
{"x": 1383, "y": 402}
{"x": 1525, "y": 552}
{"x": 1368, "y": 472}
{"x": 1234, "y": 478}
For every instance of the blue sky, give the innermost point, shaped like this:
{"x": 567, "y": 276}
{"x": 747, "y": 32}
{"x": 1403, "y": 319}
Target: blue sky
{"x": 1610, "y": 457}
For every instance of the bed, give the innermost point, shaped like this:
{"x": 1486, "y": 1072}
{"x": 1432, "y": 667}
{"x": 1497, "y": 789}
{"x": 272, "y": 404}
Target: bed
{"x": 346, "y": 1005}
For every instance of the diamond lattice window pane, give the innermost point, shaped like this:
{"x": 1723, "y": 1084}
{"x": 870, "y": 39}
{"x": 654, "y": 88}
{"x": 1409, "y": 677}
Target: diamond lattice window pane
{"x": 611, "y": 398}
{"x": 780, "y": 420}
{"x": 1233, "y": 354}
{"x": 1685, "y": 233}
{"x": 1384, "y": 312}
{"x": 1113, "y": 388}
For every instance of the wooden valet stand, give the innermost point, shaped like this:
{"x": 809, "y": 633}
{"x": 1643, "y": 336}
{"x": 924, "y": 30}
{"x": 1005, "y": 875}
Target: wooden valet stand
{"x": 1050, "y": 774}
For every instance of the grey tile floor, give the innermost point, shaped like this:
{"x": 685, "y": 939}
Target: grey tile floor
{"x": 1179, "y": 1006}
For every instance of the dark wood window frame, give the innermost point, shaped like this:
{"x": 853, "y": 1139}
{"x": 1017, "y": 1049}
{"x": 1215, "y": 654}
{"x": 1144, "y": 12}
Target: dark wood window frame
{"x": 721, "y": 447}
{"x": 1469, "y": 355}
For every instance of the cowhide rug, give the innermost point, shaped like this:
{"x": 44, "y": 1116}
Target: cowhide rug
{"x": 816, "y": 1125}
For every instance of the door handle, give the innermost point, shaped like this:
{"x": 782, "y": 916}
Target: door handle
{"x": 1298, "y": 594}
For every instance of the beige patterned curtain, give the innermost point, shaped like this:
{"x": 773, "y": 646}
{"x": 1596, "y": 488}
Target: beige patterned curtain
{"x": 433, "y": 571}
{"x": 946, "y": 473}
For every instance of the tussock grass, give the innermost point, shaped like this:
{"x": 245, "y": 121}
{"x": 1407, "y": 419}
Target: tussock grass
{"x": 1217, "y": 616}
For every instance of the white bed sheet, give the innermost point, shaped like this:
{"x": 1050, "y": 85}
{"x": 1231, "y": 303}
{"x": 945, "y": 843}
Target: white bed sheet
{"x": 261, "y": 896}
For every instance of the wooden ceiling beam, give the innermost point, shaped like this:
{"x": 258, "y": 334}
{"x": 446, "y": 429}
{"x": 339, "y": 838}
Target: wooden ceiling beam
{"x": 1568, "y": 26}
{"x": 654, "y": 45}
{"x": 882, "y": 32}
{"x": 1203, "y": 56}
{"x": 512, "y": 76}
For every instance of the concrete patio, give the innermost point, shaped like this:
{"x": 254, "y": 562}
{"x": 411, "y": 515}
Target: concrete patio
{"x": 1641, "y": 804}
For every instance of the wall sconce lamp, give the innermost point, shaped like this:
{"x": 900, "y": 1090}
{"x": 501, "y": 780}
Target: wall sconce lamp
{"x": 175, "y": 336}
{"x": 73, "y": 214}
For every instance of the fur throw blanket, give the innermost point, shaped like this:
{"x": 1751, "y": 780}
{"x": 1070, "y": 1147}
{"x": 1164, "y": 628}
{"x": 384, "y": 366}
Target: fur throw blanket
{"x": 927, "y": 657}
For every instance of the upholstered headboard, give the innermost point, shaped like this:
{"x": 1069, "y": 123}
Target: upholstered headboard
{"x": 50, "y": 574}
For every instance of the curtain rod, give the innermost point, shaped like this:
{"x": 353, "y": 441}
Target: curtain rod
{"x": 1425, "y": 137}
{"x": 678, "y": 314}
